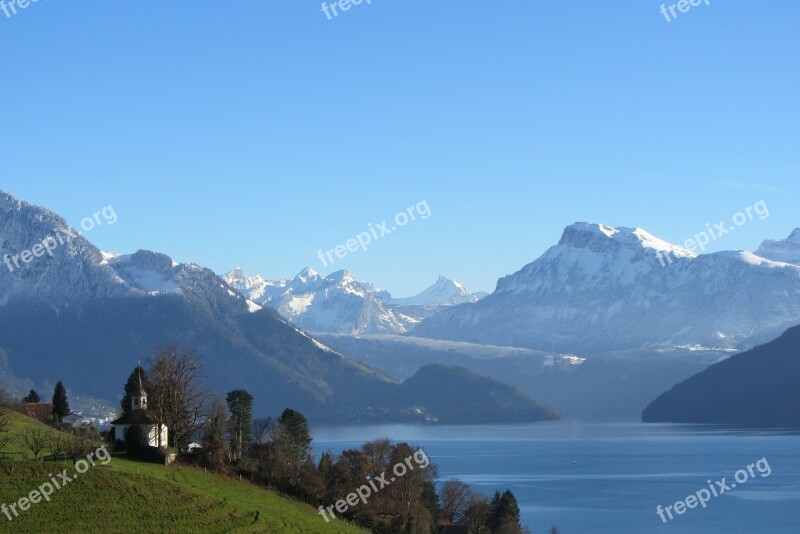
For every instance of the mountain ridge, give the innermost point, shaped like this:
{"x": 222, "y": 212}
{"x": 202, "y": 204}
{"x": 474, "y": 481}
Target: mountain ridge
{"x": 602, "y": 289}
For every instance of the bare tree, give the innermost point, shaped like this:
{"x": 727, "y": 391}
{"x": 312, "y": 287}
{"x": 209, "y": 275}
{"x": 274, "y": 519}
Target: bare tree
{"x": 178, "y": 397}
{"x": 36, "y": 439}
{"x": 78, "y": 446}
{"x": 261, "y": 430}
{"x": 456, "y": 497}
{"x": 215, "y": 448}
{"x": 57, "y": 444}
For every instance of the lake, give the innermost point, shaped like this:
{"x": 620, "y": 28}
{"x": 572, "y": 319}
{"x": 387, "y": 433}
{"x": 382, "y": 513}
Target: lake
{"x": 610, "y": 477}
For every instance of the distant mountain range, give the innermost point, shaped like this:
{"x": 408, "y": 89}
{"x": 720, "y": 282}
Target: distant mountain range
{"x": 755, "y": 388}
{"x": 610, "y": 298}
{"x": 604, "y": 289}
{"x": 87, "y": 317}
{"x": 598, "y": 326}
{"x": 339, "y": 303}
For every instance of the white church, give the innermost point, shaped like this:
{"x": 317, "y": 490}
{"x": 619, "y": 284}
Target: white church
{"x": 139, "y": 416}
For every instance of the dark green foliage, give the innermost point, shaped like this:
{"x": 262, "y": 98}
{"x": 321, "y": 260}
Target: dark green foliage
{"x": 297, "y": 429}
{"x": 136, "y": 441}
{"x": 32, "y": 397}
{"x": 60, "y": 404}
{"x": 504, "y": 513}
{"x": 132, "y": 385}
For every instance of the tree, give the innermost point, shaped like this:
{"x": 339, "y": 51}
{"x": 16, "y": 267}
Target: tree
{"x": 136, "y": 441}
{"x": 32, "y": 397}
{"x": 79, "y": 445}
{"x": 456, "y": 497}
{"x": 138, "y": 376}
{"x": 477, "y": 514}
{"x": 57, "y": 444}
{"x": 292, "y": 443}
{"x": 215, "y": 449}
{"x": 240, "y": 404}
{"x": 504, "y": 513}
{"x": 60, "y": 404}
{"x": 36, "y": 439}
{"x": 5, "y": 419}
{"x": 178, "y": 398}
{"x": 261, "y": 428}
{"x": 299, "y": 435}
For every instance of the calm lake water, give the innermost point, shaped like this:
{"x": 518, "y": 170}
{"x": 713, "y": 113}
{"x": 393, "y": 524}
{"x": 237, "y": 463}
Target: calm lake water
{"x": 609, "y": 478}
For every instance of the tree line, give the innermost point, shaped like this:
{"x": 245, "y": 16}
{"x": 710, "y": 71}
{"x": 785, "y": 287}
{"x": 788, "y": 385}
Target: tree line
{"x": 277, "y": 453}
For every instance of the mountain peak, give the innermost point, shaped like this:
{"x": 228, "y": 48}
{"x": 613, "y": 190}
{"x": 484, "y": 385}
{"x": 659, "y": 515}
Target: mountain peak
{"x": 581, "y": 234}
{"x": 599, "y": 238}
{"x": 782, "y": 250}
{"x": 444, "y": 292}
{"x": 341, "y": 277}
{"x": 307, "y": 274}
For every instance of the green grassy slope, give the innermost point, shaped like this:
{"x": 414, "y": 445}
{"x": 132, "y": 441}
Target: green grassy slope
{"x": 126, "y": 496}
{"x": 19, "y": 424}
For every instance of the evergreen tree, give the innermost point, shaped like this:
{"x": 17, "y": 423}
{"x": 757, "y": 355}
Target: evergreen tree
{"x": 60, "y": 404}
{"x": 296, "y": 426}
{"x": 32, "y": 397}
{"x": 131, "y": 386}
{"x": 504, "y": 512}
{"x": 240, "y": 405}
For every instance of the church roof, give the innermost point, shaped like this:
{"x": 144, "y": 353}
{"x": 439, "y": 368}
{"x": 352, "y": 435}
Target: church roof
{"x": 135, "y": 417}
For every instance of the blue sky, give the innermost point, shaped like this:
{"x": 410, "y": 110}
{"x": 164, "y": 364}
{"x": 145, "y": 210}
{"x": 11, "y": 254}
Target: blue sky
{"x": 253, "y": 134}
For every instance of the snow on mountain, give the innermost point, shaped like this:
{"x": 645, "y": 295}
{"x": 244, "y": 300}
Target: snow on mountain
{"x": 444, "y": 292}
{"x": 336, "y": 303}
{"x": 783, "y": 250}
{"x": 78, "y": 271}
{"x": 603, "y": 288}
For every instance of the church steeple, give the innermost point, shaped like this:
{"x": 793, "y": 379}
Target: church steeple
{"x": 139, "y": 395}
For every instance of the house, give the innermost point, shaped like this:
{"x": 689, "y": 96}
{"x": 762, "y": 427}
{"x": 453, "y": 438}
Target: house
{"x": 76, "y": 421}
{"x": 139, "y": 416}
{"x": 41, "y": 411}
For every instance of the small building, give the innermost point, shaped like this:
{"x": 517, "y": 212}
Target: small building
{"x": 76, "y": 421}
{"x": 41, "y": 411}
{"x": 192, "y": 447}
{"x": 139, "y": 416}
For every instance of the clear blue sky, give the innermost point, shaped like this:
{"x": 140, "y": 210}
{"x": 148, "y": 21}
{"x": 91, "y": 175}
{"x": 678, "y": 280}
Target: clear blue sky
{"x": 255, "y": 133}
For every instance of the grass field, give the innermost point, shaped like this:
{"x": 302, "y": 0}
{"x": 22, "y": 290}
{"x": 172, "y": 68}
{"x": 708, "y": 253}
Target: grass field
{"x": 133, "y": 497}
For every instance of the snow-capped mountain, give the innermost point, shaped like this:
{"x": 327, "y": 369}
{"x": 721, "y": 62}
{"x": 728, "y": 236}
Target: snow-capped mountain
{"x": 89, "y": 316}
{"x": 78, "y": 271}
{"x": 444, "y": 292}
{"x": 784, "y": 250}
{"x": 603, "y": 288}
{"x": 336, "y": 303}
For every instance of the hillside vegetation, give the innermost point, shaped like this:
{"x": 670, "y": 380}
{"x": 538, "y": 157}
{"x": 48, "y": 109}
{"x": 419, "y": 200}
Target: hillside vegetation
{"x": 126, "y": 496}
